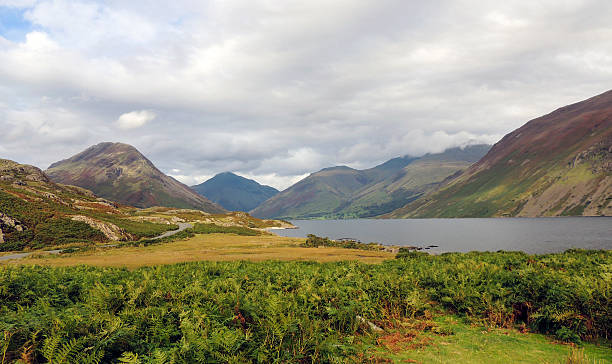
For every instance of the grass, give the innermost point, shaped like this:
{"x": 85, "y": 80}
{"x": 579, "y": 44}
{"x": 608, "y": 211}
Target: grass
{"x": 452, "y": 339}
{"x": 209, "y": 247}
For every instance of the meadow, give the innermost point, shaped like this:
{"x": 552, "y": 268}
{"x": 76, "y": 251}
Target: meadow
{"x": 300, "y": 312}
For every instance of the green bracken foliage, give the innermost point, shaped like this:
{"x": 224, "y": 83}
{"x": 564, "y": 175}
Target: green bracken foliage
{"x": 288, "y": 312}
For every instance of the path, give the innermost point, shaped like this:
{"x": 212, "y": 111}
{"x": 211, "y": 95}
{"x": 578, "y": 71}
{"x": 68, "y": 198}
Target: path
{"x": 182, "y": 226}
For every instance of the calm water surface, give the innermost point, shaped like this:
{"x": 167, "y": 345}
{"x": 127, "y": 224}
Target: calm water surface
{"x": 531, "y": 235}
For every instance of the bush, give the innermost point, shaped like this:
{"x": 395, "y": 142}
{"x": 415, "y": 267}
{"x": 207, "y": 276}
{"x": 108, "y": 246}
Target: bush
{"x": 313, "y": 241}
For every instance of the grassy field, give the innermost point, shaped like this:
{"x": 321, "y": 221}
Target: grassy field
{"x": 210, "y": 247}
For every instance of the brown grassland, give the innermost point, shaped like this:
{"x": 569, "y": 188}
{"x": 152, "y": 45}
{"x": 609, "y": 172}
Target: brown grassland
{"x": 212, "y": 247}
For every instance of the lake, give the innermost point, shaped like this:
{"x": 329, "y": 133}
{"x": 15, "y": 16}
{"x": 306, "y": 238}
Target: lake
{"x": 531, "y": 235}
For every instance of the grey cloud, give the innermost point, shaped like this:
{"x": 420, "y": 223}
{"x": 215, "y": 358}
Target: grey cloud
{"x": 281, "y": 89}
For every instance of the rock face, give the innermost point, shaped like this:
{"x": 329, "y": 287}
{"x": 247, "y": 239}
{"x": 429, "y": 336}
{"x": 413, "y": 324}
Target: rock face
{"x": 558, "y": 164}
{"x": 111, "y": 231}
{"x": 121, "y": 173}
{"x": 235, "y": 193}
{"x": 6, "y": 223}
{"x": 343, "y": 192}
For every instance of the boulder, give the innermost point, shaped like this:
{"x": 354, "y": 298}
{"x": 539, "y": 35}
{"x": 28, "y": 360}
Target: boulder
{"x": 7, "y": 221}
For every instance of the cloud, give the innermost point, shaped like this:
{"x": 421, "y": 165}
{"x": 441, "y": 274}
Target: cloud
{"x": 18, "y": 3}
{"x": 135, "y": 119}
{"x": 276, "y": 90}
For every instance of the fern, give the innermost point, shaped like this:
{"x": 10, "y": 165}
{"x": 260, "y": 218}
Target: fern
{"x": 129, "y": 358}
{"x": 50, "y": 346}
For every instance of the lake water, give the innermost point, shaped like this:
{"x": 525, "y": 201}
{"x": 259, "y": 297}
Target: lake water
{"x": 531, "y": 235}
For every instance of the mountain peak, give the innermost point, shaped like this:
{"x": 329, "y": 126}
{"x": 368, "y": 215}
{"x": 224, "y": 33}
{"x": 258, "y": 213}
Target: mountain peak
{"x": 119, "y": 172}
{"x": 234, "y": 192}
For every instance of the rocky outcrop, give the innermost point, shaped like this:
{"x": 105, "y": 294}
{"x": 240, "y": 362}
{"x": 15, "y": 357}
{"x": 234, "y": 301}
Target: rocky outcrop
{"x": 111, "y": 231}
{"x": 8, "y": 223}
{"x": 599, "y": 156}
{"x": 12, "y": 171}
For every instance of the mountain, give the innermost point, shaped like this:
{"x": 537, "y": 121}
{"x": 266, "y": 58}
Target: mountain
{"x": 119, "y": 172}
{"x": 233, "y": 192}
{"x": 557, "y": 164}
{"x": 343, "y": 192}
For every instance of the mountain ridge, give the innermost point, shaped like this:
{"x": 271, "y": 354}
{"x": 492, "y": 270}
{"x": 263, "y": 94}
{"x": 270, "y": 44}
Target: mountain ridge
{"x": 556, "y": 164}
{"x": 344, "y": 192}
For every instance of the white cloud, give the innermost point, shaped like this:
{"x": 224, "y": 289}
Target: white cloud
{"x": 18, "y": 3}
{"x": 135, "y": 119}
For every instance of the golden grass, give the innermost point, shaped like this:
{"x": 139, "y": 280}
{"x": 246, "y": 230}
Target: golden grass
{"x": 215, "y": 247}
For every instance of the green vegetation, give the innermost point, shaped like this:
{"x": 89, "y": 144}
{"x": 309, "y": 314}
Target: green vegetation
{"x": 293, "y": 311}
{"x": 45, "y": 218}
{"x": 140, "y": 229}
{"x": 313, "y": 241}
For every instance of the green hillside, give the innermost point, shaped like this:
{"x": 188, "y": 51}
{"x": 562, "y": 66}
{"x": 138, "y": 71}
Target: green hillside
{"x": 343, "y": 192}
{"x": 558, "y": 164}
{"x": 37, "y": 213}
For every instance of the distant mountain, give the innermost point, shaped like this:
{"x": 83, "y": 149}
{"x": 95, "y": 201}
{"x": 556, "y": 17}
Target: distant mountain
{"x": 119, "y": 172}
{"x": 558, "y": 164}
{"x": 235, "y": 193}
{"x": 343, "y": 192}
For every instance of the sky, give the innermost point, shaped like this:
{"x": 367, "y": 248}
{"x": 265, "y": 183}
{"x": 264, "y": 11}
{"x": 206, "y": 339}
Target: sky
{"x": 275, "y": 90}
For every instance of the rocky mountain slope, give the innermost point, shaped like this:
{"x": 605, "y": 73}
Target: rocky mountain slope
{"x": 119, "y": 172}
{"x": 558, "y": 164}
{"x": 35, "y": 213}
{"x": 343, "y": 192}
{"x": 233, "y": 192}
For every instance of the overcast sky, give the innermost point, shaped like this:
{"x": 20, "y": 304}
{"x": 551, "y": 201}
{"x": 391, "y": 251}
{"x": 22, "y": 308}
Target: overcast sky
{"x": 276, "y": 89}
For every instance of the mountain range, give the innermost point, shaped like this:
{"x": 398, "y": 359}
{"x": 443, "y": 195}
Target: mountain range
{"x": 343, "y": 192}
{"x": 235, "y": 193}
{"x": 557, "y": 164}
{"x": 119, "y": 172}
